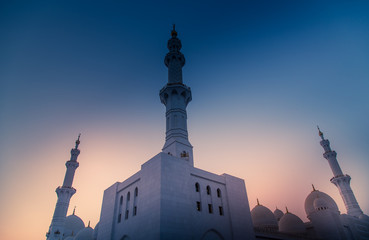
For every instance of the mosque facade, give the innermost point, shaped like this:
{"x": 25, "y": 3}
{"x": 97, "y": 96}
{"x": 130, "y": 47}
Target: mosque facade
{"x": 171, "y": 199}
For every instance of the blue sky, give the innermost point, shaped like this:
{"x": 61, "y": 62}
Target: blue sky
{"x": 263, "y": 74}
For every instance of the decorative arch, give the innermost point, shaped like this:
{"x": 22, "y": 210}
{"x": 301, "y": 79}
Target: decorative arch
{"x": 212, "y": 234}
{"x": 219, "y": 193}
{"x": 128, "y": 199}
{"x": 208, "y": 190}
{"x": 197, "y": 187}
{"x": 135, "y": 202}
{"x": 125, "y": 237}
{"x": 128, "y": 196}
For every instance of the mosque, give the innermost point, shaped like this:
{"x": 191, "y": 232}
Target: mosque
{"x": 169, "y": 198}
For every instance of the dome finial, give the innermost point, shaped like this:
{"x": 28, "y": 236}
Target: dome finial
{"x": 74, "y": 210}
{"x": 78, "y": 141}
{"x": 287, "y": 210}
{"x": 320, "y": 133}
{"x": 257, "y": 200}
{"x": 88, "y": 224}
{"x": 313, "y": 187}
{"x": 173, "y": 33}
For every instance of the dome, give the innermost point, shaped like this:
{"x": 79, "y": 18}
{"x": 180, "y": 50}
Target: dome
{"x": 278, "y": 214}
{"x": 85, "y": 234}
{"x": 69, "y": 238}
{"x": 309, "y": 202}
{"x": 290, "y": 223}
{"x": 364, "y": 217}
{"x": 320, "y": 204}
{"x": 263, "y": 218}
{"x": 73, "y": 224}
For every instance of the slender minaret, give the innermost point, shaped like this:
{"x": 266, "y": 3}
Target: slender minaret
{"x": 342, "y": 181}
{"x": 64, "y": 193}
{"x": 175, "y": 96}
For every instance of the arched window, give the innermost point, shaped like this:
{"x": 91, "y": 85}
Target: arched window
{"x": 128, "y": 198}
{"x": 208, "y": 190}
{"x": 197, "y": 186}
{"x": 120, "y": 209}
{"x": 221, "y": 211}
{"x": 219, "y": 193}
{"x": 198, "y": 206}
{"x": 135, "y": 202}
{"x": 210, "y": 206}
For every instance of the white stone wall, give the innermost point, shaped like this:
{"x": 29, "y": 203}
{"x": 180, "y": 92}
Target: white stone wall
{"x": 167, "y": 204}
{"x": 355, "y": 228}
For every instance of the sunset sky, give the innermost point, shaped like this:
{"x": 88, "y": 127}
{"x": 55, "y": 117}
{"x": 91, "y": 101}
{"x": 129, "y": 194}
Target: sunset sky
{"x": 263, "y": 75}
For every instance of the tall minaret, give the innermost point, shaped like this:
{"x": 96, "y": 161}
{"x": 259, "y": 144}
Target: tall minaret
{"x": 64, "y": 193}
{"x": 342, "y": 181}
{"x": 175, "y": 96}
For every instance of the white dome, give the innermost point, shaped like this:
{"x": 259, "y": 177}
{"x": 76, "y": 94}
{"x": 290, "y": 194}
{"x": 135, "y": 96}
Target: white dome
{"x": 320, "y": 204}
{"x": 364, "y": 217}
{"x": 309, "y": 202}
{"x": 262, "y": 217}
{"x": 73, "y": 224}
{"x": 278, "y": 214}
{"x": 290, "y": 223}
{"x": 85, "y": 234}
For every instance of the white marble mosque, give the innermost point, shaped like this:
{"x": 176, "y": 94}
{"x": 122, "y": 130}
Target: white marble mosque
{"x": 171, "y": 199}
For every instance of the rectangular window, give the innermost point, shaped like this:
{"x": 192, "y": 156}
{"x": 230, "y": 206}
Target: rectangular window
{"x": 221, "y": 211}
{"x": 198, "y": 206}
{"x": 210, "y": 208}
{"x": 127, "y": 213}
{"x": 134, "y": 210}
{"x": 119, "y": 217}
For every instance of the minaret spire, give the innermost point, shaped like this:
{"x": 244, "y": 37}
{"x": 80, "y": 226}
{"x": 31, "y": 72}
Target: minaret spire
{"x": 342, "y": 181}
{"x": 65, "y": 193}
{"x": 174, "y": 33}
{"x": 175, "y": 96}
{"x": 78, "y": 141}
{"x": 320, "y": 133}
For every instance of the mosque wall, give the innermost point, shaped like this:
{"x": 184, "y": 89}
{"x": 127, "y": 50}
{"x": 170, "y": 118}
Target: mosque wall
{"x": 170, "y": 199}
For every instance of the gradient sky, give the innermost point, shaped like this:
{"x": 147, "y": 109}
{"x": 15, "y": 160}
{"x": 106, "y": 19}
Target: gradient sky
{"x": 263, "y": 74}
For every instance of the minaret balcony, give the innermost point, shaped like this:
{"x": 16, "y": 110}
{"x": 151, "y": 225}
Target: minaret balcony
{"x": 174, "y": 56}
{"x": 340, "y": 178}
{"x": 331, "y": 154}
{"x": 179, "y": 89}
{"x": 65, "y": 191}
{"x": 73, "y": 164}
